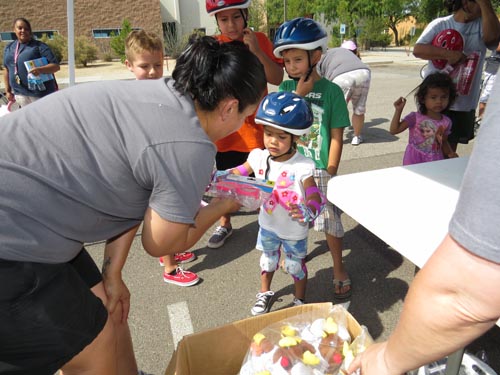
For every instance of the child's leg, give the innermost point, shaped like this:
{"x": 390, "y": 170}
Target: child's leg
{"x": 265, "y": 281}
{"x": 335, "y": 245}
{"x": 295, "y": 265}
{"x": 330, "y": 223}
{"x": 300, "y": 288}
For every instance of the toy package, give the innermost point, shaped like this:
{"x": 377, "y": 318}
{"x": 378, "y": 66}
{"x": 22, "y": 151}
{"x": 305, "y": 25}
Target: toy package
{"x": 299, "y": 345}
{"x": 250, "y": 192}
{"x": 37, "y": 82}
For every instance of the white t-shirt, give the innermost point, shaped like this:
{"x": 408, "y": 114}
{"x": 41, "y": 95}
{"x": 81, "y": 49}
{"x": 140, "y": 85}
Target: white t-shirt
{"x": 472, "y": 34}
{"x": 291, "y": 172}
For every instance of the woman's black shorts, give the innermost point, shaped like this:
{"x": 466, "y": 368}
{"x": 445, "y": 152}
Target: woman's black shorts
{"x": 48, "y": 313}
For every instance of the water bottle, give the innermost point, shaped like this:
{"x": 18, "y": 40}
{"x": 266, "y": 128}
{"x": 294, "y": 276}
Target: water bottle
{"x": 40, "y": 85}
{"x": 467, "y": 73}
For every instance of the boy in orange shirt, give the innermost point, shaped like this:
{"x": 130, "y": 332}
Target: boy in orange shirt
{"x": 231, "y": 17}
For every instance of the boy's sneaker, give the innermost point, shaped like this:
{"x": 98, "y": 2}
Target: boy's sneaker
{"x": 219, "y": 236}
{"x": 356, "y": 140}
{"x": 263, "y": 303}
{"x": 298, "y": 301}
{"x": 180, "y": 258}
{"x": 181, "y": 277}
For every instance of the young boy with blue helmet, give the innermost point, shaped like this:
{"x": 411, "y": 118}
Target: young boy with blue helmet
{"x": 301, "y": 42}
{"x": 295, "y": 201}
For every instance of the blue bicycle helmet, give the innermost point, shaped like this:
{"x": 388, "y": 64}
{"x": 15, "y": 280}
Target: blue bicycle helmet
{"x": 285, "y": 111}
{"x": 302, "y": 33}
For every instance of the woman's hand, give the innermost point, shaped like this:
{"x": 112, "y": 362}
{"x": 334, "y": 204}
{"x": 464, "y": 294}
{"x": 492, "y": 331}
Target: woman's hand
{"x": 35, "y": 71}
{"x": 117, "y": 293}
{"x": 371, "y": 362}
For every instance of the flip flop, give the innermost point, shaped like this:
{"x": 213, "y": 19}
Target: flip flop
{"x": 341, "y": 284}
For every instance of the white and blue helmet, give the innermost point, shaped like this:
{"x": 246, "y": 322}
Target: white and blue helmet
{"x": 285, "y": 111}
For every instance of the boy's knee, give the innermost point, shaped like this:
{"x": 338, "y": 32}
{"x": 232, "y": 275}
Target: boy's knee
{"x": 269, "y": 261}
{"x": 296, "y": 267}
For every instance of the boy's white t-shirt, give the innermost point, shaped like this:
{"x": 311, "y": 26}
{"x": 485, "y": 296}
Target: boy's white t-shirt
{"x": 297, "y": 169}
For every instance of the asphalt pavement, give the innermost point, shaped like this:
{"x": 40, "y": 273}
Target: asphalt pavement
{"x": 161, "y": 314}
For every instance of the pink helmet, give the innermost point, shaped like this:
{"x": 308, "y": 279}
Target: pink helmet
{"x": 449, "y": 39}
{"x": 216, "y": 6}
{"x": 350, "y": 45}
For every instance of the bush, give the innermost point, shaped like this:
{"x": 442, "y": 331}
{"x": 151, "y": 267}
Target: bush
{"x": 118, "y": 41}
{"x": 85, "y": 51}
{"x": 59, "y": 46}
{"x": 107, "y": 57}
{"x": 2, "y": 47}
{"x": 174, "y": 46}
{"x": 373, "y": 35}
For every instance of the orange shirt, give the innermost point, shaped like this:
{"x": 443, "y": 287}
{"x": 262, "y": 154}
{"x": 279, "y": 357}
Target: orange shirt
{"x": 250, "y": 135}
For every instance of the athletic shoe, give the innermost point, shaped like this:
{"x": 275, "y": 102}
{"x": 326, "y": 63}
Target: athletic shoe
{"x": 356, "y": 140}
{"x": 180, "y": 258}
{"x": 181, "y": 277}
{"x": 219, "y": 236}
{"x": 298, "y": 301}
{"x": 263, "y": 303}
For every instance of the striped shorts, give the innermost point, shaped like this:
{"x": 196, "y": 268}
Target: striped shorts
{"x": 329, "y": 221}
{"x": 355, "y": 85}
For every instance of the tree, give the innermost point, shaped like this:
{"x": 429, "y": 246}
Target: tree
{"x": 118, "y": 41}
{"x": 396, "y": 11}
{"x": 257, "y": 16}
{"x": 85, "y": 51}
{"x": 58, "y": 45}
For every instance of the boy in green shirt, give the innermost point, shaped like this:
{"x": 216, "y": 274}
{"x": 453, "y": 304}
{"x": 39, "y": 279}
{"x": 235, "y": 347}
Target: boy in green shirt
{"x": 301, "y": 42}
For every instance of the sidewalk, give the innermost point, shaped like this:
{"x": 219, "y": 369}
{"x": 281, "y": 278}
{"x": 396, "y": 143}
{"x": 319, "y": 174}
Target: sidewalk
{"x": 396, "y": 55}
{"x": 105, "y": 71}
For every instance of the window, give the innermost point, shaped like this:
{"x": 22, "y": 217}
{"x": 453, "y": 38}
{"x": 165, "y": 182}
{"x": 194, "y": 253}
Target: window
{"x": 49, "y": 33}
{"x": 104, "y": 33}
{"x": 10, "y": 36}
{"x": 107, "y": 33}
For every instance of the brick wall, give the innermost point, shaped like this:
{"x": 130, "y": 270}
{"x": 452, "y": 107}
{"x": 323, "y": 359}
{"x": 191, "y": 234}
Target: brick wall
{"x": 88, "y": 15}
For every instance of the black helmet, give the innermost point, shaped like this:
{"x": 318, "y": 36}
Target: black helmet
{"x": 302, "y": 33}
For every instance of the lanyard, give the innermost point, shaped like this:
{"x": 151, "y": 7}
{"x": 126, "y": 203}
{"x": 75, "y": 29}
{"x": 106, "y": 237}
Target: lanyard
{"x": 16, "y": 56}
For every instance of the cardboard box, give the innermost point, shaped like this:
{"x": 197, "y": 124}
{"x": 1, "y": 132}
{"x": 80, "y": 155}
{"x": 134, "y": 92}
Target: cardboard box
{"x": 221, "y": 350}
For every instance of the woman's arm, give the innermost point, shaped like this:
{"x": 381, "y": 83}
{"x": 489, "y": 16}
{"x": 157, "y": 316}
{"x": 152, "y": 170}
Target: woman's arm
{"x": 46, "y": 69}
{"x": 161, "y": 237}
{"x": 490, "y": 24}
{"x": 430, "y": 52}
{"x": 447, "y": 306}
{"x": 115, "y": 256}
{"x": 8, "y": 90}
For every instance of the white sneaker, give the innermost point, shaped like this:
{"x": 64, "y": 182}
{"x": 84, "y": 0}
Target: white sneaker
{"x": 356, "y": 140}
{"x": 298, "y": 301}
{"x": 263, "y": 303}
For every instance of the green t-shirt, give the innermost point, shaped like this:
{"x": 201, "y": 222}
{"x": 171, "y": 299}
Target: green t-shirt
{"x": 330, "y": 111}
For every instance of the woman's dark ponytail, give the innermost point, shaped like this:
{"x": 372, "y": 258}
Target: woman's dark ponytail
{"x": 209, "y": 72}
